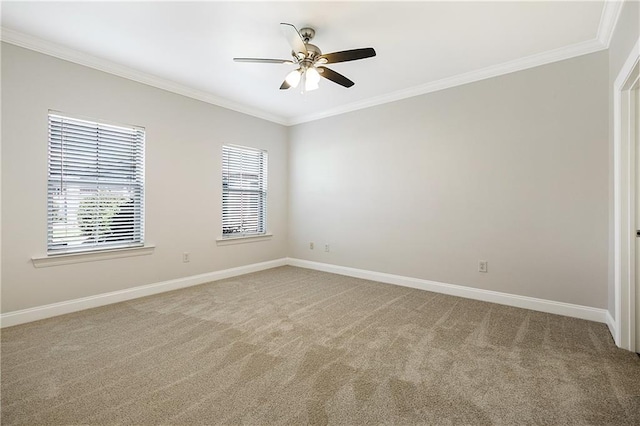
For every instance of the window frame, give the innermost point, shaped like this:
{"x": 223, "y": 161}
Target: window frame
{"x": 122, "y": 178}
{"x": 261, "y": 191}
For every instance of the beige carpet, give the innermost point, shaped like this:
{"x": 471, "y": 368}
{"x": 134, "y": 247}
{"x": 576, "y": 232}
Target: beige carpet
{"x": 295, "y": 346}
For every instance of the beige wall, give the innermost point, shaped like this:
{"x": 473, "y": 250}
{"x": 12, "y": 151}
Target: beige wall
{"x": 512, "y": 170}
{"x": 183, "y": 183}
{"x": 624, "y": 38}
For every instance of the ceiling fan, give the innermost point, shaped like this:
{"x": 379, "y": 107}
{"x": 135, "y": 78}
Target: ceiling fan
{"x": 310, "y": 60}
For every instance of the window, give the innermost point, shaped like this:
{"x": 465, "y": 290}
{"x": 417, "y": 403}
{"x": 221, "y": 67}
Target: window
{"x": 95, "y": 187}
{"x": 244, "y": 191}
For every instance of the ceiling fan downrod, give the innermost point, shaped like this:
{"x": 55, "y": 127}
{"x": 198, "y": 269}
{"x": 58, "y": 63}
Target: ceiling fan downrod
{"x": 307, "y": 34}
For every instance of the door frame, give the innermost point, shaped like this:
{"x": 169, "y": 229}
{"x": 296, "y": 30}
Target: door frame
{"x": 624, "y": 164}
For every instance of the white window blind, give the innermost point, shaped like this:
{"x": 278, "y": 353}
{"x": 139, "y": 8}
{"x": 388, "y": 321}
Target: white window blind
{"x": 95, "y": 186}
{"x": 244, "y": 191}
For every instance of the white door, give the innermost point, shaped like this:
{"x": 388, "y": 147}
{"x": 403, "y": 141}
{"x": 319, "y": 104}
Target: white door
{"x": 626, "y": 200}
{"x": 635, "y": 125}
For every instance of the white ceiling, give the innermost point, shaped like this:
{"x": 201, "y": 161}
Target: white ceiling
{"x": 421, "y": 46}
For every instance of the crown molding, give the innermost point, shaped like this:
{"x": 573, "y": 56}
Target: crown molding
{"x": 608, "y": 21}
{"x": 43, "y": 46}
{"x": 527, "y": 62}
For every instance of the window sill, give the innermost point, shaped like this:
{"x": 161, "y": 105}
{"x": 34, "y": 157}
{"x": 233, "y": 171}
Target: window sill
{"x": 242, "y": 240}
{"x": 66, "y": 259}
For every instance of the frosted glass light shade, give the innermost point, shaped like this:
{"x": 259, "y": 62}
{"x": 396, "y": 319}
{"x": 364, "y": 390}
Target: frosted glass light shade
{"x": 293, "y": 78}
{"x": 312, "y": 79}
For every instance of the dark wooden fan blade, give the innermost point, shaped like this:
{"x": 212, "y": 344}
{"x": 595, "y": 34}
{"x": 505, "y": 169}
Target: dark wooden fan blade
{"x": 264, "y": 61}
{"x": 330, "y": 74}
{"x": 348, "y": 55}
{"x": 293, "y": 37}
{"x": 285, "y": 85}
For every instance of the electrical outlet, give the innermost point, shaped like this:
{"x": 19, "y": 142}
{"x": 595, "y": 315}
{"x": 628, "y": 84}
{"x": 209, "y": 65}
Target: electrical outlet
{"x": 311, "y": 245}
{"x": 186, "y": 257}
{"x": 483, "y": 266}
{"x": 326, "y": 248}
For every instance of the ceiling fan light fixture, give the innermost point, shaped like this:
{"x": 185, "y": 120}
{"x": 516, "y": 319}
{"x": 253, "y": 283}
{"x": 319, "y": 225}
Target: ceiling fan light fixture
{"x": 293, "y": 78}
{"x": 310, "y": 60}
{"x": 312, "y": 79}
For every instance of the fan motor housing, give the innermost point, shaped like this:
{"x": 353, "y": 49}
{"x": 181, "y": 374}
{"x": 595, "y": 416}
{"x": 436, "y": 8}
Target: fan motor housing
{"x": 313, "y": 51}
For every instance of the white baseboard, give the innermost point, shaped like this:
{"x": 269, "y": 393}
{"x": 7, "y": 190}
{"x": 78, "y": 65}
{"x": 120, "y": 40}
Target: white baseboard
{"x": 542, "y": 305}
{"x": 47, "y": 311}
